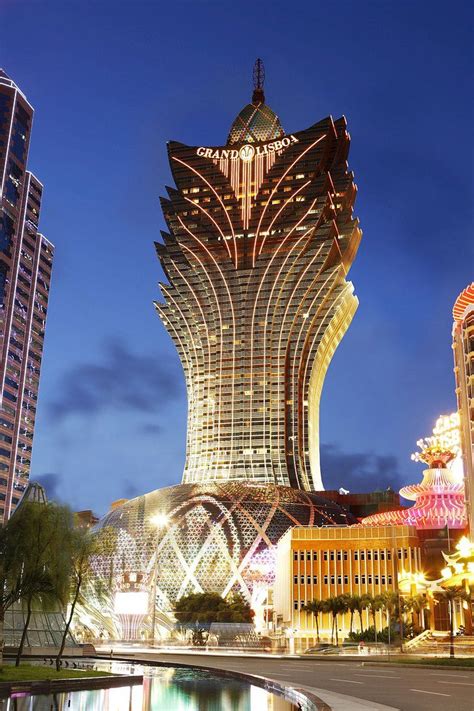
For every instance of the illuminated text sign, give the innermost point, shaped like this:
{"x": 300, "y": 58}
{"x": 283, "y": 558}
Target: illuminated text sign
{"x": 247, "y": 152}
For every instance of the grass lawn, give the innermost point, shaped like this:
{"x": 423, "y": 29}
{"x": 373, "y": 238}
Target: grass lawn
{"x": 29, "y": 672}
{"x": 438, "y": 661}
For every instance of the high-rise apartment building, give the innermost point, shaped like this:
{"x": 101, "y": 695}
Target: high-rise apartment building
{"x": 463, "y": 349}
{"x": 261, "y": 237}
{"x": 25, "y": 272}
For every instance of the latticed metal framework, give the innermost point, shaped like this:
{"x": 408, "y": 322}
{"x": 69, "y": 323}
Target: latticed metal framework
{"x": 261, "y": 236}
{"x": 214, "y": 538}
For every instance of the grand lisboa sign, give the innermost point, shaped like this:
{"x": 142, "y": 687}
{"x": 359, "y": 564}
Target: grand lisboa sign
{"x": 247, "y": 152}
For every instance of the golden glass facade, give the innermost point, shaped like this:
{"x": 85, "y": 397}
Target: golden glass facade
{"x": 260, "y": 238}
{"x": 319, "y": 563}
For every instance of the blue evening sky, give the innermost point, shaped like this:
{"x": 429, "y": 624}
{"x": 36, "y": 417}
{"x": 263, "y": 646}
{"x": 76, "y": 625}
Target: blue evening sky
{"x": 112, "y": 81}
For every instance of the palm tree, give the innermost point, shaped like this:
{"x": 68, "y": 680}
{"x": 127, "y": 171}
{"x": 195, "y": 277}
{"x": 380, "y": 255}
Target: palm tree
{"x": 335, "y": 606}
{"x": 414, "y": 605}
{"x": 364, "y": 605}
{"x": 391, "y": 606}
{"x": 355, "y": 603}
{"x": 316, "y": 607}
{"x": 418, "y": 606}
{"x": 374, "y": 604}
{"x": 452, "y": 595}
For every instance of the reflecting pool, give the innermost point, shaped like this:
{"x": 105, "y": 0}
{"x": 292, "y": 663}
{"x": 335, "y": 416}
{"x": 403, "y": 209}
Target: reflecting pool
{"x": 163, "y": 689}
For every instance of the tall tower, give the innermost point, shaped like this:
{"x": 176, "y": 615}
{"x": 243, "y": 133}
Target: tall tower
{"x": 26, "y": 259}
{"x": 463, "y": 349}
{"x": 260, "y": 239}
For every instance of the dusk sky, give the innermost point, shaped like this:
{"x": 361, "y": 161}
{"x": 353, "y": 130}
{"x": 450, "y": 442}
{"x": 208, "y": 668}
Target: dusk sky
{"x": 111, "y": 82}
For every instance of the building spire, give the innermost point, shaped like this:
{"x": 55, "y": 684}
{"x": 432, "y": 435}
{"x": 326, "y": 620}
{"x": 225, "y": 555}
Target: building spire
{"x": 258, "y": 97}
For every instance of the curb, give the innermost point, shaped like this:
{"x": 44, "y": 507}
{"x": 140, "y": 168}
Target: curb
{"x": 305, "y": 700}
{"x": 49, "y": 686}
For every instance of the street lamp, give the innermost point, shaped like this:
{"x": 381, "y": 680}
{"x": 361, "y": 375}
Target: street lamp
{"x": 159, "y": 521}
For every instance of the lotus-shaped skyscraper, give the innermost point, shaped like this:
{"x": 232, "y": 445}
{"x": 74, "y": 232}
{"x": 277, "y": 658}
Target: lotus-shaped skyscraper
{"x": 260, "y": 238}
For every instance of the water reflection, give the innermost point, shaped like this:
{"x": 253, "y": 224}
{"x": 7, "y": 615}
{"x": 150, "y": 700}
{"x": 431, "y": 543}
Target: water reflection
{"x": 163, "y": 689}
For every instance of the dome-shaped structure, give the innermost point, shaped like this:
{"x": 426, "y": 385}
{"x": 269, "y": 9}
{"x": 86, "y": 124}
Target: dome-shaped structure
{"x": 206, "y": 537}
{"x": 255, "y": 123}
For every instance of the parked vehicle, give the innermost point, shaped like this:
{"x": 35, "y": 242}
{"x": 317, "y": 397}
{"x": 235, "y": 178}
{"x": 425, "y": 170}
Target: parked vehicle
{"x": 322, "y": 648}
{"x": 349, "y": 648}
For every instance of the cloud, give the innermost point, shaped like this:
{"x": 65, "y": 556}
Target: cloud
{"x": 150, "y": 428}
{"x": 358, "y": 471}
{"x": 51, "y": 483}
{"x": 120, "y": 380}
{"x": 130, "y": 489}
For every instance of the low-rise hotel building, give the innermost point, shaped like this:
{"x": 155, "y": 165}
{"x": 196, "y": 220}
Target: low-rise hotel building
{"x": 319, "y": 563}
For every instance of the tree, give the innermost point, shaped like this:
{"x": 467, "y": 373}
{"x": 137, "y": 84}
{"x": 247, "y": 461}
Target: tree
{"x": 452, "y": 595}
{"x": 316, "y": 607}
{"x": 415, "y": 604}
{"x": 374, "y": 604}
{"x": 391, "y": 606}
{"x": 10, "y": 582}
{"x": 18, "y": 581}
{"x": 81, "y": 548}
{"x": 44, "y": 558}
{"x": 335, "y": 606}
{"x": 198, "y": 611}
{"x": 355, "y": 603}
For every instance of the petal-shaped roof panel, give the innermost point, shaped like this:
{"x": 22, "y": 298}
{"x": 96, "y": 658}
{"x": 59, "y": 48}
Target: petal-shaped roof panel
{"x": 255, "y": 123}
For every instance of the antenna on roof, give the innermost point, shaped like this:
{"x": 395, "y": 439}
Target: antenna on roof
{"x": 258, "y": 97}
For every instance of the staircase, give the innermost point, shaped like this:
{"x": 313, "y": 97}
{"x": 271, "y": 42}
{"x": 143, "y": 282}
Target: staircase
{"x": 428, "y": 644}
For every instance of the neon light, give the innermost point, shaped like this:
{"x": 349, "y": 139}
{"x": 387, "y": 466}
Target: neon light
{"x": 276, "y": 188}
{"x": 178, "y": 160}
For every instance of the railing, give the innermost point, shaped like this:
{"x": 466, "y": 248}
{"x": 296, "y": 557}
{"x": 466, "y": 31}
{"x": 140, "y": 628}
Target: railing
{"x": 413, "y": 643}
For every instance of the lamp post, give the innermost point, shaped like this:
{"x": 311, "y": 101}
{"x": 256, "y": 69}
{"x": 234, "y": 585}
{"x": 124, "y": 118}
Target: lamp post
{"x": 159, "y": 521}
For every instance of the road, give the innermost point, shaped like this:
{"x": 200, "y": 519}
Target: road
{"x": 344, "y": 684}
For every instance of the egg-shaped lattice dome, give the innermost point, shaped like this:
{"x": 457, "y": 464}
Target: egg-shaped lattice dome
{"x": 255, "y": 123}
{"x": 205, "y": 537}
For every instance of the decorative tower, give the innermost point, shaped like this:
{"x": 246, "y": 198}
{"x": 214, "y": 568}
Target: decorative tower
{"x": 261, "y": 237}
{"x": 439, "y": 499}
